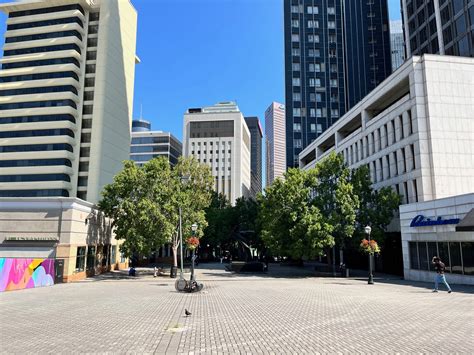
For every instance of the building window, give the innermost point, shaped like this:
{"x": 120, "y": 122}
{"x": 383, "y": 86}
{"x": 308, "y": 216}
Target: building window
{"x": 92, "y": 42}
{"x": 313, "y": 24}
{"x": 295, "y": 52}
{"x": 80, "y": 259}
{"x": 295, "y": 23}
{"x": 295, "y": 66}
{"x": 332, "y": 24}
{"x": 297, "y": 143}
{"x": 334, "y": 112}
{"x": 296, "y": 82}
{"x": 332, "y": 38}
{"x": 295, "y": 38}
{"x": 314, "y": 52}
{"x": 333, "y": 68}
{"x": 331, "y": 11}
{"x": 88, "y": 95}
{"x": 332, "y": 53}
{"x": 93, "y": 29}
{"x": 297, "y": 127}
{"x": 296, "y": 96}
{"x": 313, "y": 38}
{"x": 295, "y": 9}
{"x": 333, "y": 83}
{"x": 296, "y": 112}
{"x": 312, "y": 10}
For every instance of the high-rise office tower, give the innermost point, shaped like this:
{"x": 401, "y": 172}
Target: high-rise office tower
{"x": 66, "y": 94}
{"x": 219, "y": 137}
{"x": 397, "y": 44}
{"x": 336, "y": 52}
{"x": 438, "y": 27}
{"x": 147, "y": 144}
{"x": 367, "y": 54}
{"x": 275, "y": 142}
{"x": 256, "y": 136}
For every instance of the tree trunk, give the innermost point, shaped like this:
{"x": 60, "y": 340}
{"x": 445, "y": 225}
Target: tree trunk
{"x": 175, "y": 255}
{"x": 341, "y": 255}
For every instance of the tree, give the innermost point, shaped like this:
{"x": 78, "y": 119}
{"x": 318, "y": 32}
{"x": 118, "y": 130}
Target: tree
{"x": 217, "y": 216}
{"x": 376, "y": 208}
{"x": 291, "y": 224}
{"x": 139, "y": 201}
{"x": 335, "y": 198}
{"x": 144, "y": 203}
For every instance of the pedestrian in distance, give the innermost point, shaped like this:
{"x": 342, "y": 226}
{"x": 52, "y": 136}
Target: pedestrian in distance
{"x": 439, "y": 268}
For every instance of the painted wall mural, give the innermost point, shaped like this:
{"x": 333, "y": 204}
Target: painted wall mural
{"x": 19, "y": 273}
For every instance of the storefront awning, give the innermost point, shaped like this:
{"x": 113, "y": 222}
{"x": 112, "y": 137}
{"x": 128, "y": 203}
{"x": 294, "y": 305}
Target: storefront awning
{"x": 467, "y": 223}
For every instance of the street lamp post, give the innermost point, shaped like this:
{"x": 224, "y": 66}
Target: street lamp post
{"x": 194, "y": 227}
{"x": 368, "y": 229}
{"x": 180, "y": 245}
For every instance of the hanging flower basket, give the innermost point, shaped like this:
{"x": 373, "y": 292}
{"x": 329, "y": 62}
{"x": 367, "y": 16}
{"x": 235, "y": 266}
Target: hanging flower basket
{"x": 192, "y": 243}
{"x": 369, "y": 247}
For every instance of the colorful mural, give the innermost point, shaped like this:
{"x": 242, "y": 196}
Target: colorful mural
{"x": 18, "y": 273}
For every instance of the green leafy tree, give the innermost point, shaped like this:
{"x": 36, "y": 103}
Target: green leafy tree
{"x": 376, "y": 208}
{"x": 144, "y": 203}
{"x": 291, "y": 224}
{"x": 335, "y": 198}
{"x": 217, "y": 231}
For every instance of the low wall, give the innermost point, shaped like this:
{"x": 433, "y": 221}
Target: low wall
{"x": 21, "y": 273}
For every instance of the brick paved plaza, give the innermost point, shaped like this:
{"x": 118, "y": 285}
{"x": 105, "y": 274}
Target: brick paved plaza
{"x": 283, "y": 312}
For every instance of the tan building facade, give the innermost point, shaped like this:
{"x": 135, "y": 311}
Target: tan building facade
{"x": 67, "y": 232}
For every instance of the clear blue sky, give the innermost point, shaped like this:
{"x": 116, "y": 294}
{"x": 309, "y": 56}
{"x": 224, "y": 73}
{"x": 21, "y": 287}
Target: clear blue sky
{"x": 199, "y": 52}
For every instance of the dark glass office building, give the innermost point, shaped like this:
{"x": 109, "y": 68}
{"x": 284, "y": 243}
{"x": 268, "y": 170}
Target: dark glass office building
{"x": 438, "y": 27}
{"x": 256, "y": 136}
{"x": 336, "y": 52}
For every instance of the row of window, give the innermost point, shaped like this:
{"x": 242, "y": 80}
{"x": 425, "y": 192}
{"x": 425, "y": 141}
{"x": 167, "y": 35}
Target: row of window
{"x": 314, "y": 82}
{"x": 457, "y": 256}
{"x": 39, "y": 36}
{"x": 382, "y": 137}
{"x": 38, "y": 63}
{"x": 389, "y": 165}
{"x": 34, "y": 193}
{"x": 312, "y": 10}
{"x": 149, "y": 140}
{"x": 41, "y": 76}
{"x": 52, "y": 22}
{"x": 37, "y": 133}
{"x": 39, "y": 118}
{"x": 35, "y": 148}
{"x": 34, "y": 104}
{"x": 57, "y": 47}
{"x": 46, "y": 10}
{"x": 146, "y": 157}
{"x": 34, "y": 162}
{"x": 211, "y": 151}
{"x": 314, "y": 128}
{"x": 314, "y": 38}
{"x": 35, "y": 177}
{"x": 314, "y": 53}
{"x": 149, "y": 148}
{"x": 96, "y": 257}
{"x": 313, "y": 24}
{"x": 41, "y": 90}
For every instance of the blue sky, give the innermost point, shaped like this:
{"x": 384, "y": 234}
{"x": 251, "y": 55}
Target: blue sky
{"x": 197, "y": 53}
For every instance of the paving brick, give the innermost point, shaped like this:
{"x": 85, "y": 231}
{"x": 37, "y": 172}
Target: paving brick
{"x": 279, "y": 313}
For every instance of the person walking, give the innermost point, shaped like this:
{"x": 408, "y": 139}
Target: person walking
{"x": 439, "y": 268}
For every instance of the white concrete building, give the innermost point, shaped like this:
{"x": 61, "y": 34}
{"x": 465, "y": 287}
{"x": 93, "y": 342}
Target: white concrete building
{"x": 219, "y": 137}
{"x": 415, "y": 131}
{"x": 444, "y": 228}
{"x": 275, "y": 142}
{"x": 66, "y": 94}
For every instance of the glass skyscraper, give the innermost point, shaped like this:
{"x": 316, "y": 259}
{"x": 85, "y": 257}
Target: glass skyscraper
{"x": 439, "y": 27}
{"x": 336, "y": 52}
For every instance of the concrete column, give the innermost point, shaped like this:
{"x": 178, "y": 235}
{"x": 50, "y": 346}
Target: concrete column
{"x": 398, "y": 129}
{"x": 390, "y": 133}
{"x": 371, "y": 144}
{"x": 383, "y": 137}
{"x": 360, "y": 151}
{"x": 373, "y": 173}
{"x": 400, "y": 162}
{"x": 409, "y": 158}
{"x": 411, "y": 192}
{"x": 406, "y": 124}
{"x": 376, "y": 140}
{"x": 385, "y": 168}
{"x": 392, "y": 164}
{"x": 378, "y": 170}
